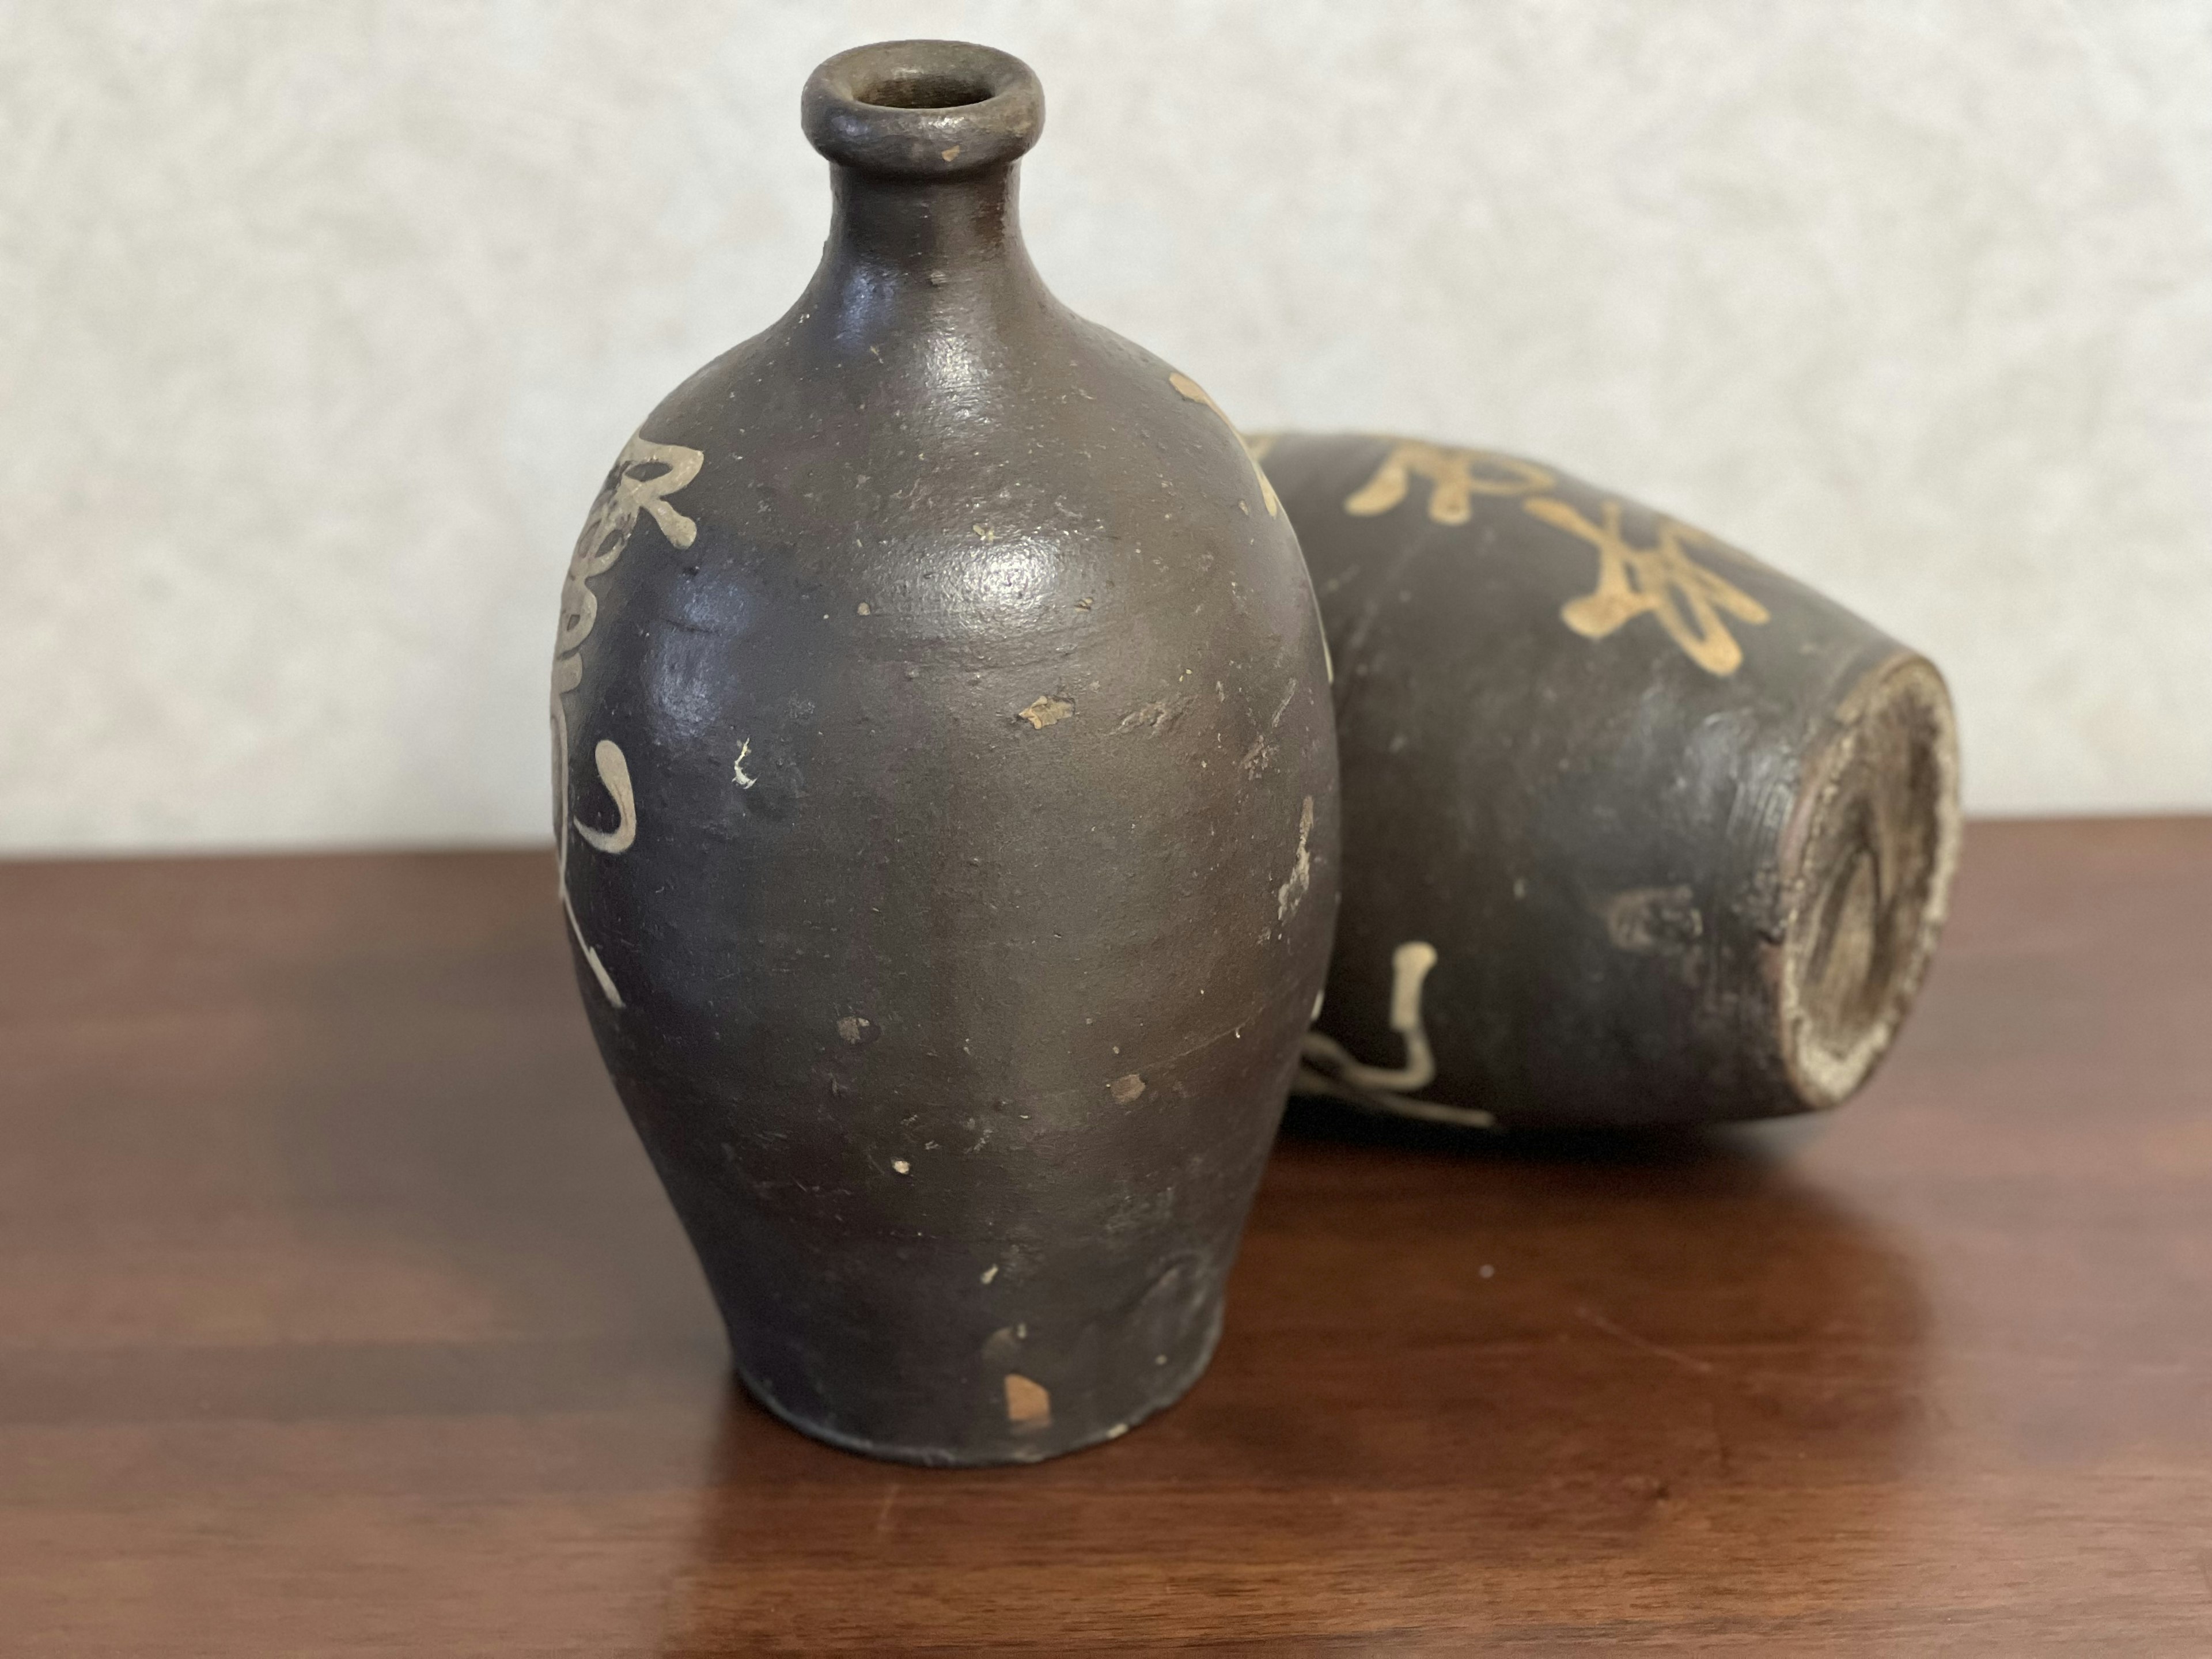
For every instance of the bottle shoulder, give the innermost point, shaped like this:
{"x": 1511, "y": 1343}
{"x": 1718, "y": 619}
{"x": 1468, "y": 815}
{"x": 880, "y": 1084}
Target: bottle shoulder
{"x": 1058, "y": 416}
{"x": 1079, "y": 469}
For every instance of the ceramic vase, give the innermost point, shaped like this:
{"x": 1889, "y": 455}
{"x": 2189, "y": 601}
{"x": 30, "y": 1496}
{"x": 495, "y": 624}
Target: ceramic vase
{"x": 1637, "y": 830}
{"x": 947, "y": 812}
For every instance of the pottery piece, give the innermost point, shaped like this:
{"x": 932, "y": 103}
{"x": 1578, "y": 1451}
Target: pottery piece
{"x": 947, "y": 812}
{"x": 1637, "y": 830}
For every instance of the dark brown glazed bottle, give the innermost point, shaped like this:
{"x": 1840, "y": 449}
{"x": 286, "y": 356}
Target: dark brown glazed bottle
{"x": 1637, "y": 830}
{"x": 947, "y": 812}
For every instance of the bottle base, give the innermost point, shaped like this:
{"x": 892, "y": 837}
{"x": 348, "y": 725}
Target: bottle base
{"x": 1174, "y": 1383}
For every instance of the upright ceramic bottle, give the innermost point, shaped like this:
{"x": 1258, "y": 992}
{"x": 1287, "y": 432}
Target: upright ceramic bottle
{"x": 1637, "y": 830}
{"x": 947, "y": 812}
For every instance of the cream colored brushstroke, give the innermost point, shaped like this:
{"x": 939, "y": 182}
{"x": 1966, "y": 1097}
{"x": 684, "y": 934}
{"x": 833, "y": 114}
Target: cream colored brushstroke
{"x": 1331, "y": 1071}
{"x": 1409, "y": 969}
{"x": 599, "y": 968}
{"x": 606, "y": 533}
{"x": 614, "y": 773}
{"x": 1661, "y": 580}
{"x": 1197, "y": 394}
{"x": 1453, "y": 480}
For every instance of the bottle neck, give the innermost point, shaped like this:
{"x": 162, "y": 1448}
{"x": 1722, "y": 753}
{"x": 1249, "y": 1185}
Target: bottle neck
{"x": 904, "y": 250}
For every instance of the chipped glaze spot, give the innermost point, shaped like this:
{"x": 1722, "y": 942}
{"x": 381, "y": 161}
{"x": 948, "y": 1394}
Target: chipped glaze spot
{"x": 1045, "y": 711}
{"x": 1651, "y": 920}
{"x": 1029, "y": 1405}
{"x": 1301, "y": 877}
{"x": 1125, "y": 1089}
{"x": 1151, "y": 718}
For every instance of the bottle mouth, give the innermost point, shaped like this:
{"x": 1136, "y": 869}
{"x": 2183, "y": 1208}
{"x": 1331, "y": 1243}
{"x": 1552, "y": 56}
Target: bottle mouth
{"x": 922, "y": 109}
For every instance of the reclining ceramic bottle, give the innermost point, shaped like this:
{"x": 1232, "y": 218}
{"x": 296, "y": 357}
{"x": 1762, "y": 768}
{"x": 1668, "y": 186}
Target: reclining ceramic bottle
{"x": 947, "y": 812}
{"x": 1637, "y": 830}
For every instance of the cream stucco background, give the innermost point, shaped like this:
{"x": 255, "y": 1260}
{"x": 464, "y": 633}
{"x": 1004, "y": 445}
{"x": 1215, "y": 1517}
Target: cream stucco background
{"x": 321, "y": 321}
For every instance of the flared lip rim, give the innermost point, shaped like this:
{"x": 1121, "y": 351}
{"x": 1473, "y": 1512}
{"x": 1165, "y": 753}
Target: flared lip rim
{"x": 926, "y": 140}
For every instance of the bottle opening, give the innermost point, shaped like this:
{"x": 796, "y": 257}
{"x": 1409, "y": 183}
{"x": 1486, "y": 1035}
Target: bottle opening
{"x": 919, "y": 89}
{"x": 922, "y": 109}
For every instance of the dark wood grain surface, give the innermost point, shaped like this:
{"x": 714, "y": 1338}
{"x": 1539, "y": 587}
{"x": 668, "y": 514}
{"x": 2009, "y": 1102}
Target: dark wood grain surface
{"x": 340, "y": 1313}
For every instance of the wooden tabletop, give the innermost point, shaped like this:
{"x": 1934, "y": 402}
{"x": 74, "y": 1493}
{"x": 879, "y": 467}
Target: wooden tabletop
{"x": 339, "y": 1312}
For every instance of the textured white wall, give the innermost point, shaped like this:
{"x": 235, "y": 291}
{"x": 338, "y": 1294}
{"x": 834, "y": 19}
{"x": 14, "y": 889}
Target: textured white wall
{"x": 320, "y": 322}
